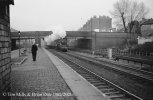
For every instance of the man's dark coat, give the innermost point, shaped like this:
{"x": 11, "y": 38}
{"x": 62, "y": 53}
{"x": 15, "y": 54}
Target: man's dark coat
{"x": 34, "y": 51}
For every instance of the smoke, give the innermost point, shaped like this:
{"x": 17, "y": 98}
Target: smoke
{"x": 58, "y": 32}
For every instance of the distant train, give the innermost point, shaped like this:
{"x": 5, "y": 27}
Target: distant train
{"x": 59, "y": 44}
{"x": 62, "y": 47}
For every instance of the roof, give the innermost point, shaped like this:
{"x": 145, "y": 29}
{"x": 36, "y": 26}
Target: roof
{"x": 13, "y": 30}
{"x": 148, "y": 22}
{"x": 7, "y": 1}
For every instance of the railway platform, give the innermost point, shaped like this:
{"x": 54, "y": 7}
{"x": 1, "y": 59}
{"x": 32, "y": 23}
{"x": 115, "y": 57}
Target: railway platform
{"x": 49, "y": 78}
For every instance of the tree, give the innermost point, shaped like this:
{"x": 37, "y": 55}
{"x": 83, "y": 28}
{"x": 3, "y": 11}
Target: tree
{"x": 127, "y": 12}
{"x": 134, "y": 26}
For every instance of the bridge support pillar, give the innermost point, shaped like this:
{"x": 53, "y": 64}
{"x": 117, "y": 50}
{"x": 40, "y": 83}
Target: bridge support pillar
{"x": 93, "y": 42}
{"x": 109, "y": 52}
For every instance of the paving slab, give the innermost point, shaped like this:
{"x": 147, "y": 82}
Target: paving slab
{"x": 39, "y": 80}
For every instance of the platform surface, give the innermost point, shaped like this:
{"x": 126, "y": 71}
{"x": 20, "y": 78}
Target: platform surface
{"x": 39, "y": 80}
{"x": 49, "y": 78}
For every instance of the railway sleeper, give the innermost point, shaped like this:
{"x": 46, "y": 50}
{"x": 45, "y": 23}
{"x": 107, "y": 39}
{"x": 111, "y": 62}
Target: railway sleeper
{"x": 90, "y": 79}
{"x": 115, "y": 96}
{"x": 97, "y": 84}
{"x": 106, "y": 87}
{"x": 112, "y": 93}
{"x": 87, "y": 75}
{"x": 121, "y": 98}
{"x": 77, "y": 69}
{"x": 94, "y": 81}
{"x": 103, "y": 86}
{"x": 82, "y": 73}
{"x": 108, "y": 90}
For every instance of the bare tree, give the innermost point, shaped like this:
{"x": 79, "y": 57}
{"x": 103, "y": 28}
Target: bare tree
{"x": 120, "y": 11}
{"x": 137, "y": 12}
{"x": 127, "y": 11}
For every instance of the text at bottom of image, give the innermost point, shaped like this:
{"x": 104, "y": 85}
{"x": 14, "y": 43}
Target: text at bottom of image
{"x": 35, "y": 94}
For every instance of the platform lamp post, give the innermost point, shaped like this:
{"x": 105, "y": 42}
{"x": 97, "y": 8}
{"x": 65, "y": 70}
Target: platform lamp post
{"x": 19, "y": 43}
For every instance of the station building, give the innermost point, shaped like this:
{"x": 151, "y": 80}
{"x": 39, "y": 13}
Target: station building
{"x": 5, "y": 56}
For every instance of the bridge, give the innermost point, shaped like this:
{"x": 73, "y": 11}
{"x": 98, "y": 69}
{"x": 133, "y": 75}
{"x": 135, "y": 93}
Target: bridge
{"x": 98, "y": 40}
{"x": 27, "y": 37}
{"x": 30, "y": 34}
{"x": 78, "y": 39}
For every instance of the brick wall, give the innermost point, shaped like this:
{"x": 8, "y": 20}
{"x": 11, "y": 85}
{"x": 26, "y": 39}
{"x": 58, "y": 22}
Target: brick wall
{"x": 5, "y": 57}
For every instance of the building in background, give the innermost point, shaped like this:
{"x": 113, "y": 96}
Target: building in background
{"x": 146, "y": 27}
{"x": 99, "y": 24}
{"x": 146, "y": 31}
{"x": 5, "y": 56}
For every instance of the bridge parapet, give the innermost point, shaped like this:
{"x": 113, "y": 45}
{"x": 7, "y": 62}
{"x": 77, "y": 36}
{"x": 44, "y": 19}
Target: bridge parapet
{"x": 78, "y": 34}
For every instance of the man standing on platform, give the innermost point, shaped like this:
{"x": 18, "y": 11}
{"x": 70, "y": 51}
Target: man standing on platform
{"x": 34, "y": 51}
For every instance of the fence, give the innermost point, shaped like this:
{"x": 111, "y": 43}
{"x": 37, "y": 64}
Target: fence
{"x": 104, "y": 52}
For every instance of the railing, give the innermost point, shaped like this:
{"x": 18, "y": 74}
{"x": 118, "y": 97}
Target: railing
{"x": 121, "y": 52}
{"x": 136, "y": 57}
{"x": 104, "y": 52}
{"x": 132, "y": 53}
{"x": 101, "y": 52}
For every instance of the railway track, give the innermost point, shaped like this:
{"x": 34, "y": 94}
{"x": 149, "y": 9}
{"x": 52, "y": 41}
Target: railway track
{"x": 110, "y": 90}
{"x": 145, "y": 75}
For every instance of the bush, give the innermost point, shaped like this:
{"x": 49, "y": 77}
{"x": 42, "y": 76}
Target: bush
{"x": 147, "y": 47}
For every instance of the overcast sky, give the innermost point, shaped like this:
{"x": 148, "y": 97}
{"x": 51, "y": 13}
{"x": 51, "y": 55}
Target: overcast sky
{"x": 37, "y": 15}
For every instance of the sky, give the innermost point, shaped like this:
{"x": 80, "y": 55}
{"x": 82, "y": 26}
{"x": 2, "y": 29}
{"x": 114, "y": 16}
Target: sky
{"x": 44, "y": 15}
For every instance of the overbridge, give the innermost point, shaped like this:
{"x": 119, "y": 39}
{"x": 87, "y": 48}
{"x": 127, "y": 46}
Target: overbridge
{"x": 30, "y": 34}
{"x": 98, "y": 40}
{"x": 26, "y": 38}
